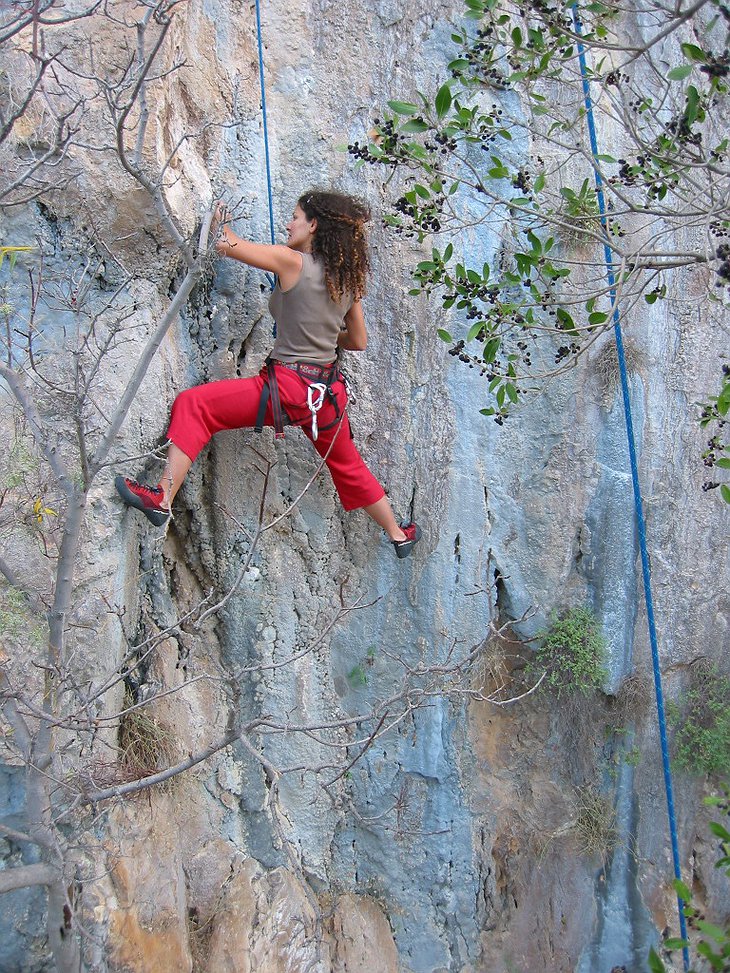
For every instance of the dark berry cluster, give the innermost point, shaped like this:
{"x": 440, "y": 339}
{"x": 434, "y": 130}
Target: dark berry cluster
{"x": 444, "y": 143}
{"x": 390, "y": 144}
{"x": 627, "y": 173}
{"x": 683, "y": 131}
{"x": 526, "y": 358}
{"x": 723, "y": 255}
{"x": 717, "y": 67}
{"x": 521, "y": 181}
{"x": 714, "y": 446}
{"x": 564, "y": 351}
{"x": 457, "y": 351}
{"x": 362, "y": 152}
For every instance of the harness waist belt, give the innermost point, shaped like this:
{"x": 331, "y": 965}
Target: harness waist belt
{"x": 309, "y": 370}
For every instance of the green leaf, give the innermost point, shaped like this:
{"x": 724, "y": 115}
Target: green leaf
{"x": 679, "y": 73}
{"x": 725, "y": 492}
{"x": 704, "y": 949}
{"x": 655, "y": 964}
{"x": 682, "y": 891}
{"x": 474, "y": 330}
{"x": 540, "y": 183}
{"x": 598, "y": 317}
{"x": 724, "y": 464}
{"x": 605, "y": 158}
{"x": 414, "y": 126}
{"x": 692, "y": 110}
{"x": 516, "y": 36}
{"x": 403, "y": 107}
{"x": 534, "y": 243}
{"x": 566, "y": 321}
{"x": 444, "y": 336}
{"x": 675, "y": 942}
{"x": 723, "y": 402}
{"x": 448, "y": 253}
{"x": 418, "y": 152}
{"x": 443, "y": 100}
{"x": 422, "y": 191}
{"x": 460, "y": 64}
{"x": 714, "y": 932}
{"x": 357, "y": 676}
{"x": 694, "y": 53}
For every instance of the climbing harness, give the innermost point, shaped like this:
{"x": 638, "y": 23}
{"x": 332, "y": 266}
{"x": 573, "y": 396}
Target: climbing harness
{"x": 319, "y": 380}
{"x": 638, "y": 504}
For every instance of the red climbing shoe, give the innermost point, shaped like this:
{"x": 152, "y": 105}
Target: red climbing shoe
{"x": 413, "y": 535}
{"x": 145, "y": 498}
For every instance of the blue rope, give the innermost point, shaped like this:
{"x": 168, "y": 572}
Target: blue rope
{"x": 638, "y": 505}
{"x": 260, "y": 42}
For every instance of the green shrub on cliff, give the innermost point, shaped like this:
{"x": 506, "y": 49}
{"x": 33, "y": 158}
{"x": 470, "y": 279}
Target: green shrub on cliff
{"x": 571, "y": 652}
{"x": 702, "y": 721}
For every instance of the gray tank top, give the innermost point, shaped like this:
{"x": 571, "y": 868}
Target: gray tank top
{"x": 308, "y": 321}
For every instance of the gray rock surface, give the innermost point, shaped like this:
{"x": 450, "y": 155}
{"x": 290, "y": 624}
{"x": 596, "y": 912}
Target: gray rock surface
{"x": 451, "y": 844}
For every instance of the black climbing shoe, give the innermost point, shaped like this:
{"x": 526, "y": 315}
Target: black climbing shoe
{"x": 413, "y": 535}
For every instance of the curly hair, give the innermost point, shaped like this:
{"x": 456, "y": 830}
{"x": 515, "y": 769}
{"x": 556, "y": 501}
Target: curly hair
{"x": 339, "y": 240}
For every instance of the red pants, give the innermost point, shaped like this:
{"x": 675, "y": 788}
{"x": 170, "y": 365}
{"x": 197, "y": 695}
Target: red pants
{"x": 204, "y": 410}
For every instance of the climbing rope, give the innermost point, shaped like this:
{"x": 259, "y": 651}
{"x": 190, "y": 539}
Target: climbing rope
{"x": 638, "y": 503}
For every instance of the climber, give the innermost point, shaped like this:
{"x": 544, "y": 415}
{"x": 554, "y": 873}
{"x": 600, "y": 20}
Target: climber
{"x": 320, "y": 280}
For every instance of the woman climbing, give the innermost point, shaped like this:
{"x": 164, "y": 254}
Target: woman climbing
{"x": 321, "y": 275}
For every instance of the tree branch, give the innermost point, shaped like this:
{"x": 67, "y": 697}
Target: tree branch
{"x": 25, "y": 876}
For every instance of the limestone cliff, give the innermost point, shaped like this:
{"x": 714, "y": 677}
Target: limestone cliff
{"x": 453, "y": 842}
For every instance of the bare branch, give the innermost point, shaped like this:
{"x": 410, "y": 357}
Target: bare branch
{"x": 150, "y": 350}
{"x": 25, "y": 876}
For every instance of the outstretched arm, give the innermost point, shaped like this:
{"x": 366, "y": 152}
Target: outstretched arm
{"x": 355, "y": 335}
{"x": 277, "y": 259}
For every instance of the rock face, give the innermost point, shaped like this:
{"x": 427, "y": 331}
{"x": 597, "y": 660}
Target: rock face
{"x": 457, "y": 840}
